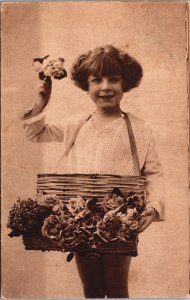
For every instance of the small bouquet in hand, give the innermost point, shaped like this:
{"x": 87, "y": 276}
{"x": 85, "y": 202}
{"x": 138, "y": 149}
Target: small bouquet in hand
{"x": 50, "y": 67}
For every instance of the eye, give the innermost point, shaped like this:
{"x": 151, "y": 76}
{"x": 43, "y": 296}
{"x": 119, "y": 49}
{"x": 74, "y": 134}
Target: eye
{"x": 96, "y": 79}
{"x": 114, "y": 79}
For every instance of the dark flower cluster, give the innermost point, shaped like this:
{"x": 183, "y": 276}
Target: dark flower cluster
{"x": 26, "y": 215}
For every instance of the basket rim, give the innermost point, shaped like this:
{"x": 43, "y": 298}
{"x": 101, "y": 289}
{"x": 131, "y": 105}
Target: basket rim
{"x": 91, "y": 175}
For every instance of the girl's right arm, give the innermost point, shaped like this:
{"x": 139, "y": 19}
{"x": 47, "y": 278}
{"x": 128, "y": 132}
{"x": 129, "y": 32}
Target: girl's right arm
{"x": 36, "y": 130}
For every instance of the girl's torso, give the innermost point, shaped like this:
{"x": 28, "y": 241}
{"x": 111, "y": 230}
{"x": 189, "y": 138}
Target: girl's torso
{"x": 105, "y": 151}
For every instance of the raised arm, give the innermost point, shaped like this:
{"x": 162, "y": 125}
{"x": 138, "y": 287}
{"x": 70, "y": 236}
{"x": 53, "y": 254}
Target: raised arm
{"x": 35, "y": 127}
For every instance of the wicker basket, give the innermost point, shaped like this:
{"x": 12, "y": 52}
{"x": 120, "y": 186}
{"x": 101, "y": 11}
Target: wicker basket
{"x": 87, "y": 186}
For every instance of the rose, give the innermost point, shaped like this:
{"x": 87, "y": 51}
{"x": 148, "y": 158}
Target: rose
{"x": 60, "y": 230}
{"x": 76, "y": 205}
{"x": 37, "y": 66}
{"x": 54, "y": 226}
{"x": 114, "y": 202}
{"x": 85, "y": 217}
{"x": 85, "y": 223}
{"x": 130, "y": 220}
{"x": 109, "y": 228}
{"x": 130, "y": 217}
{"x": 68, "y": 239}
{"x": 49, "y": 200}
{"x": 110, "y": 221}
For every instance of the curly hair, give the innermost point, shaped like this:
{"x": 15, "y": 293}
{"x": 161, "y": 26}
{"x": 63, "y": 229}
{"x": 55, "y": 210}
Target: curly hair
{"x": 106, "y": 61}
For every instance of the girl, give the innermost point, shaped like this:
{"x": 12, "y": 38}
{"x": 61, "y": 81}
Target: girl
{"x": 99, "y": 144}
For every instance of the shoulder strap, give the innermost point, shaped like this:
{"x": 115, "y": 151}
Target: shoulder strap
{"x": 133, "y": 145}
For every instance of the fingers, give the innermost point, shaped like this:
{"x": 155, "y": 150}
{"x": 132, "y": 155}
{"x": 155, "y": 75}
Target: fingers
{"x": 45, "y": 87}
{"x": 148, "y": 212}
{"x": 144, "y": 223}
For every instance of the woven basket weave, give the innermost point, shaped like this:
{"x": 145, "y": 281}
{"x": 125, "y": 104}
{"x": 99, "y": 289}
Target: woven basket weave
{"x": 88, "y": 186}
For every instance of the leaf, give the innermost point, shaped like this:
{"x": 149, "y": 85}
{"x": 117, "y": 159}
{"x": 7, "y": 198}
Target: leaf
{"x": 40, "y": 60}
{"x": 117, "y": 192}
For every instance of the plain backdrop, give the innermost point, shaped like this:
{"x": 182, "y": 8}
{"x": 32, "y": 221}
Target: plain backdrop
{"x": 156, "y": 35}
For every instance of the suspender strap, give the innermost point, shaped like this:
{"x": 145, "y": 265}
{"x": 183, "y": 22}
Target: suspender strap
{"x": 132, "y": 145}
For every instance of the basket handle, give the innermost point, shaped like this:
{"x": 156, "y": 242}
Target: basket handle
{"x": 132, "y": 145}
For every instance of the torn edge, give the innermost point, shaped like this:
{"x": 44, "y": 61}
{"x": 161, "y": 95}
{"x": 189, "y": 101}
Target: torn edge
{"x": 187, "y": 29}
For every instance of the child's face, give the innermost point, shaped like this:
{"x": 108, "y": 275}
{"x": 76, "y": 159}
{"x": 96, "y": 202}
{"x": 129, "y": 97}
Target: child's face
{"x": 106, "y": 92}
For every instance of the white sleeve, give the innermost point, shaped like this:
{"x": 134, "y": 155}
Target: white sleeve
{"x": 155, "y": 189}
{"x": 36, "y": 129}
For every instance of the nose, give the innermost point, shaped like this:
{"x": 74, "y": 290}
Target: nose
{"x": 105, "y": 86}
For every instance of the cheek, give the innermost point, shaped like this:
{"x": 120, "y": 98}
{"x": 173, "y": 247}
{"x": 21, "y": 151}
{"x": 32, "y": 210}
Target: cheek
{"x": 92, "y": 90}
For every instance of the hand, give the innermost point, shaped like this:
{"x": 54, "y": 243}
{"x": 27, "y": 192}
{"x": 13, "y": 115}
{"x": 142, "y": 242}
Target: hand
{"x": 44, "y": 88}
{"x": 44, "y": 92}
{"x": 147, "y": 217}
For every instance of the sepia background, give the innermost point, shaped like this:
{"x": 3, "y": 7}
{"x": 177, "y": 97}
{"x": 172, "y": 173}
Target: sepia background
{"x": 156, "y": 35}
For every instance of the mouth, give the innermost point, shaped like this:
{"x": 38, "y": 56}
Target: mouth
{"x": 106, "y": 97}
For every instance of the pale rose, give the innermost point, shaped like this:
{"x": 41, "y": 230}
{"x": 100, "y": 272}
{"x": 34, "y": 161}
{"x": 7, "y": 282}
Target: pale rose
{"x": 37, "y": 66}
{"x": 76, "y": 205}
{"x": 53, "y": 227}
{"x": 49, "y": 200}
{"x": 109, "y": 228}
{"x": 50, "y": 68}
{"x": 114, "y": 202}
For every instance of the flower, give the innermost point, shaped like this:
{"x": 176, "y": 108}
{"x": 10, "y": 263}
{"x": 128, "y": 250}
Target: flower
{"x": 76, "y": 205}
{"x": 53, "y": 227}
{"x": 108, "y": 229}
{"x": 26, "y": 215}
{"x": 114, "y": 202}
{"x": 50, "y": 67}
{"x": 111, "y": 220}
{"x": 52, "y": 201}
{"x": 80, "y": 224}
{"x": 136, "y": 201}
{"x": 130, "y": 220}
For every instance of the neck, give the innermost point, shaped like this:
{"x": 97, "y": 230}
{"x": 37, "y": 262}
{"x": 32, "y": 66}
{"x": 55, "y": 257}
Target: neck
{"x": 112, "y": 112}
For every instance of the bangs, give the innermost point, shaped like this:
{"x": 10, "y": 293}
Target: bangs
{"x": 104, "y": 65}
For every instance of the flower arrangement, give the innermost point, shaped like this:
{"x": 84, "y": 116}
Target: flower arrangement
{"x": 50, "y": 67}
{"x": 79, "y": 224}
